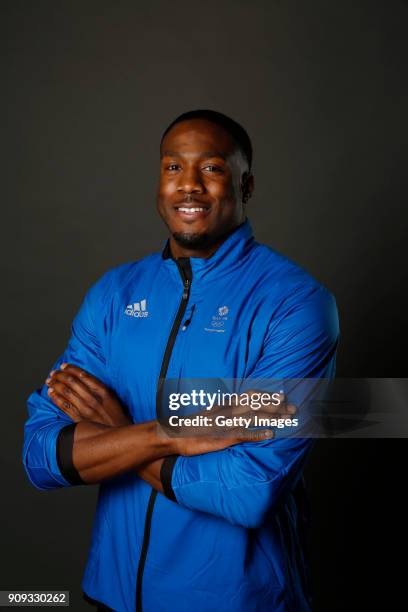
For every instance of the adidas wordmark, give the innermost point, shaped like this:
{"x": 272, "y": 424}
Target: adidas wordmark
{"x": 138, "y": 309}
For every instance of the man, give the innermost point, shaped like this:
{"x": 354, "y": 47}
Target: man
{"x": 187, "y": 523}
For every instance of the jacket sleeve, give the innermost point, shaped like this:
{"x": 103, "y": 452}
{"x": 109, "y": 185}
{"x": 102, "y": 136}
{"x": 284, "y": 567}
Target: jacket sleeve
{"x": 48, "y": 432}
{"x": 246, "y": 481}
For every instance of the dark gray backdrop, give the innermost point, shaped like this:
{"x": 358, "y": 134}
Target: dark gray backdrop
{"x": 87, "y": 89}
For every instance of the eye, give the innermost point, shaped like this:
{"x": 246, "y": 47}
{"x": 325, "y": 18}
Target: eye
{"x": 213, "y": 168}
{"x": 172, "y": 167}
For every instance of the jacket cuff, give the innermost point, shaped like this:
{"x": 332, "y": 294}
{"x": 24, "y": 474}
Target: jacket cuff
{"x": 65, "y": 444}
{"x": 166, "y": 473}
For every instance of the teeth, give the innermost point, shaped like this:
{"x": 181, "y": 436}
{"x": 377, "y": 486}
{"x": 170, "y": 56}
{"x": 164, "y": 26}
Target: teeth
{"x": 191, "y": 210}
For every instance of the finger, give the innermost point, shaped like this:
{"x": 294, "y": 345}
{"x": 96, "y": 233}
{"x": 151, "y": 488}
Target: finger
{"x": 71, "y": 397}
{"x": 255, "y": 435}
{"x": 243, "y": 433}
{"x": 275, "y": 404}
{"x": 63, "y": 404}
{"x": 270, "y": 400}
{"x": 70, "y": 380}
{"x": 243, "y": 404}
{"x": 255, "y": 400}
{"x": 266, "y": 419}
{"x": 282, "y": 410}
{"x": 93, "y": 383}
{"x": 287, "y": 410}
{"x": 256, "y": 416}
{"x": 88, "y": 379}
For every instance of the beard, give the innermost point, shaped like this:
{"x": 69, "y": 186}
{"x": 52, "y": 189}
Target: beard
{"x": 194, "y": 241}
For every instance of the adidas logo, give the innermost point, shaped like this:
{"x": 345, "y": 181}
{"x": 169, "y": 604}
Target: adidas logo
{"x": 138, "y": 309}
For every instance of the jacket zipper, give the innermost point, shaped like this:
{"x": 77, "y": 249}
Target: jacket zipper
{"x": 187, "y": 323}
{"x": 184, "y": 266}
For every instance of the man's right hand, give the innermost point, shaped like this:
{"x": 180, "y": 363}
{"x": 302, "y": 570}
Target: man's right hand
{"x": 198, "y": 445}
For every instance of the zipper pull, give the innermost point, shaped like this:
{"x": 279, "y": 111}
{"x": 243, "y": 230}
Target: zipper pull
{"x": 187, "y": 323}
{"x": 186, "y": 286}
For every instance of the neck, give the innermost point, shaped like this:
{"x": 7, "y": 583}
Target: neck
{"x": 178, "y": 250}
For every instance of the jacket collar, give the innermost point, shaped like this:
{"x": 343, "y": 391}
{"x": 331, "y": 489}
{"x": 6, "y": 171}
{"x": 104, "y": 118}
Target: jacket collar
{"x": 227, "y": 257}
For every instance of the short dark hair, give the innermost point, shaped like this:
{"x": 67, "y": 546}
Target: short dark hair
{"x": 238, "y": 133}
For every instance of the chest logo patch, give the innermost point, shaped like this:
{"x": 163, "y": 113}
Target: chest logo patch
{"x": 137, "y": 309}
{"x": 218, "y": 321}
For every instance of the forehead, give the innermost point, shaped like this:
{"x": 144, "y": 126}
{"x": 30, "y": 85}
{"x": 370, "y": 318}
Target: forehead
{"x": 197, "y": 135}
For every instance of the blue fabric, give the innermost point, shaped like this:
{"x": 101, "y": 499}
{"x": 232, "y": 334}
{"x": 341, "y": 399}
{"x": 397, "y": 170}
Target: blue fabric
{"x": 231, "y": 540}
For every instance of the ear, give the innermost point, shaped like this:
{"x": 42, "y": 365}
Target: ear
{"x": 247, "y": 186}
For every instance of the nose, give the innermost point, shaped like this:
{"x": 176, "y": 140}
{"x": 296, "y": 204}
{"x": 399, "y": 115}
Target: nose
{"x": 190, "y": 181}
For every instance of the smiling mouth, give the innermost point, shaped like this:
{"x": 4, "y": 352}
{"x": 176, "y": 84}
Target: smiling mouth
{"x": 190, "y": 210}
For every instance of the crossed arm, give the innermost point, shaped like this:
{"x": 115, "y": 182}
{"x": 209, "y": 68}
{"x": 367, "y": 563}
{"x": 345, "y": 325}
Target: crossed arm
{"x": 104, "y": 442}
{"x": 239, "y": 480}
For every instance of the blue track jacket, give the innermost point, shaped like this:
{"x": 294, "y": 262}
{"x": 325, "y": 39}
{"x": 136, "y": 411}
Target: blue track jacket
{"x": 225, "y": 535}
